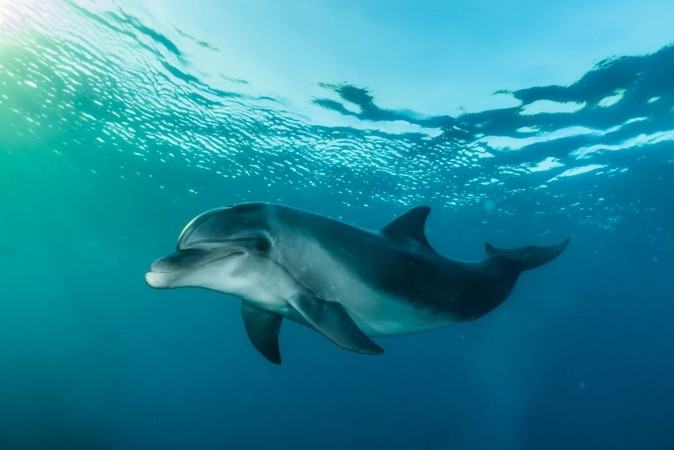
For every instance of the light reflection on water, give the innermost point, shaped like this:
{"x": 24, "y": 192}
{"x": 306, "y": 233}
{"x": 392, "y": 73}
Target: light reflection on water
{"x": 90, "y": 73}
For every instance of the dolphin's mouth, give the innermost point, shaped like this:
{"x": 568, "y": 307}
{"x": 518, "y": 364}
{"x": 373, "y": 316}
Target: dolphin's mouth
{"x": 177, "y": 262}
{"x": 231, "y": 255}
{"x": 165, "y": 271}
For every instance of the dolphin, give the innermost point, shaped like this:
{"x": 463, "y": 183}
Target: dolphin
{"x": 348, "y": 283}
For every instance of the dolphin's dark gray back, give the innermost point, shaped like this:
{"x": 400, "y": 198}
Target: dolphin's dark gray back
{"x": 399, "y": 260}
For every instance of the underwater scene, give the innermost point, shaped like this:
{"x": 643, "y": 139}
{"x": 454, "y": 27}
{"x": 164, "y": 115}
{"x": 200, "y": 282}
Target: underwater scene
{"x": 336, "y": 225}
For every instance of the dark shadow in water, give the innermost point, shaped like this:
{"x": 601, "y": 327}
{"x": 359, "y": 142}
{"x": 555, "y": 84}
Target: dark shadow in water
{"x": 119, "y": 21}
{"x": 623, "y": 97}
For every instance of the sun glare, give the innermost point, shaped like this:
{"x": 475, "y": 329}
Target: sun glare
{"x": 7, "y": 9}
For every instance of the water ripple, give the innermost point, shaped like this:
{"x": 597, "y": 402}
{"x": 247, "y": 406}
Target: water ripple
{"x": 102, "y": 79}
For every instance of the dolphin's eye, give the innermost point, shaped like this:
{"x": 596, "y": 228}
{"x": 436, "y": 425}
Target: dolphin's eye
{"x": 262, "y": 245}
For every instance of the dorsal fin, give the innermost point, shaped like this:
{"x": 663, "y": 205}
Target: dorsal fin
{"x": 490, "y": 250}
{"x": 411, "y": 225}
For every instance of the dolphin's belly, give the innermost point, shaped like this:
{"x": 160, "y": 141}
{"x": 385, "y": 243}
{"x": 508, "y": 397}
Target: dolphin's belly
{"x": 375, "y": 311}
{"x": 381, "y": 315}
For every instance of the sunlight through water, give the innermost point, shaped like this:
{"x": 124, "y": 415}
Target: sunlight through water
{"x": 93, "y": 70}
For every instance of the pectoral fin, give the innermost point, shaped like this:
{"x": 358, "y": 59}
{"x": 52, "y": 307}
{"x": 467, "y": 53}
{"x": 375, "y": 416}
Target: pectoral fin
{"x": 332, "y": 320}
{"x": 263, "y": 328}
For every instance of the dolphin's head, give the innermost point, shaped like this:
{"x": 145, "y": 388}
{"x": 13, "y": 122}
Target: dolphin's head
{"x": 227, "y": 249}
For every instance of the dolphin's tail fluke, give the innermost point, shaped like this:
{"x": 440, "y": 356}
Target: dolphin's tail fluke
{"x": 528, "y": 257}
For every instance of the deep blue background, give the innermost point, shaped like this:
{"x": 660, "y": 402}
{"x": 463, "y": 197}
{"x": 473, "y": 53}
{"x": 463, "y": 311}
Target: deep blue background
{"x": 580, "y": 356}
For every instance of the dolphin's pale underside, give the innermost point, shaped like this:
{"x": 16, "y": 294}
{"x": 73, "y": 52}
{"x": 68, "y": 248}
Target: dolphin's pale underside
{"x": 347, "y": 283}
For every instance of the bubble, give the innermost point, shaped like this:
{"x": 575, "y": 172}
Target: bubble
{"x": 489, "y": 205}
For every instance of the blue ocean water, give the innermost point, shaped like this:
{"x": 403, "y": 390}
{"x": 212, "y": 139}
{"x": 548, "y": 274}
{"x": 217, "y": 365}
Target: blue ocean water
{"x": 112, "y": 138}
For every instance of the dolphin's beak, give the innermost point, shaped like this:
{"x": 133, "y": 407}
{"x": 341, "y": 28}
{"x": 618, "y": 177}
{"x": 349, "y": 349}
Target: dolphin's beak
{"x": 165, "y": 271}
{"x": 156, "y": 280}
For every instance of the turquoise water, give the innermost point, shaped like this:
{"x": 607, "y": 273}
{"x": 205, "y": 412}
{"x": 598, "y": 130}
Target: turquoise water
{"x": 113, "y": 135}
